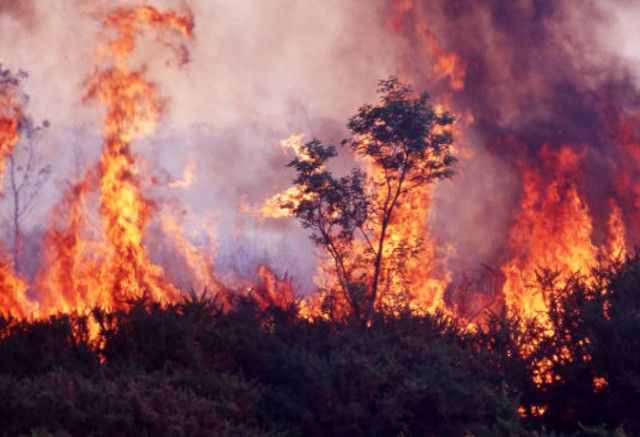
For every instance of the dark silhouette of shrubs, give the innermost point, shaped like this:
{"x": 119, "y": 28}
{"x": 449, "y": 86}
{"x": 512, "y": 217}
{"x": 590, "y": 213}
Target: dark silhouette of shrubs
{"x": 58, "y": 342}
{"x": 192, "y": 369}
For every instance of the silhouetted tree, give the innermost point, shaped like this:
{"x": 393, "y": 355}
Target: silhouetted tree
{"x": 407, "y": 145}
{"x": 27, "y": 172}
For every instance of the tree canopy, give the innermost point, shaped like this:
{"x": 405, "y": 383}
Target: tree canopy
{"x": 406, "y": 144}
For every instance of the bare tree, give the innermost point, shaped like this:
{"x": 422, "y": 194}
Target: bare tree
{"x": 26, "y": 171}
{"x": 27, "y": 175}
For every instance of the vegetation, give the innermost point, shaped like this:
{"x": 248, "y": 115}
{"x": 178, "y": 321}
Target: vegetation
{"x": 27, "y": 173}
{"x": 193, "y": 369}
{"x": 260, "y": 368}
{"x": 407, "y": 146}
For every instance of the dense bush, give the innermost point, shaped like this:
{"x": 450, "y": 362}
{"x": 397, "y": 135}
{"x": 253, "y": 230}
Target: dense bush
{"x": 191, "y": 369}
{"x": 596, "y": 321}
{"x": 588, "y": 346}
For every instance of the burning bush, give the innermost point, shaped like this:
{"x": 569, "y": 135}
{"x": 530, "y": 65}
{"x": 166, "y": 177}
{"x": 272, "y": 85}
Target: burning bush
{"x": 191, "y": 368}
{"x": 356, "y": 219}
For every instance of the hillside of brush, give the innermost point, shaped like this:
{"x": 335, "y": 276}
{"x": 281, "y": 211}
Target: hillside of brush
{"x": 197, "y": 368}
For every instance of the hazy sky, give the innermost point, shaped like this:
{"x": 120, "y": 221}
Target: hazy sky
{"x": 259, "y": 71}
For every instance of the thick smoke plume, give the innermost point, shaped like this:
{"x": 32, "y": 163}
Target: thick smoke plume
{"x": 550, "y": 105}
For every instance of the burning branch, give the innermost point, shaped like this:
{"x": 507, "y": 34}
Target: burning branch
{"x": 407, "y": 146}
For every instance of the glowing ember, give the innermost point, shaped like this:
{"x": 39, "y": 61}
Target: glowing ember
{"x": 9, "y": 118}
{"x": 599, "y": 383}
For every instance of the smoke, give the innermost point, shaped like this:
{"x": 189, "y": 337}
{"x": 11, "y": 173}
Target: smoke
{"x": 258, "y": 72}
{"x": 536, "y": 73}
{"x": 21, "y": 11}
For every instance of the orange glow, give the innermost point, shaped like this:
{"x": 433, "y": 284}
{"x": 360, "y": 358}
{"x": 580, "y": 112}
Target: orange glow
{"x": 12, "y": 297}
{"x": 427, "y": 273}
{"x": 188, "y": 177}
{"x": 272, "y": 207}
{"x": 198, "y": 261}
{"x": 421, "y": 280}
{"x": 415, "y": 281}
{"x": 552, "y": 230}
{"x": 617, "y": 245}
{"x": 273, "y": 290}
{"x": 599, "y": 384}
{"x": 94, "y": 252}
{"x": 108, "y": 264}
{"x": 12, "y": 287}
{"x": 9, "y": 119}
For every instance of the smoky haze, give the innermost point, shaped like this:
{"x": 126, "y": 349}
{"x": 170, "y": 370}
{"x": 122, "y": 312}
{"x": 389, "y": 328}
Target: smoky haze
{"x": 539, "y": 72}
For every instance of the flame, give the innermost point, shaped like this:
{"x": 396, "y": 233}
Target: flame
{"x": 599, "y": 384}
{"x": 552, "y": 230}
{"x": 428, "y": 273}
{"x": 273, "y": 290}
{"x": 553, "y": 226}
{"x": 9, "y": 119}
{"x": 617, "y": 249}
{"x": 272, "y": 208}
{"x": 416, "y": 282}
{"x": 421, "y": 280}
{"x": 447, "y": 65}
{"x": 198, "y": 260}
{"x": 89, "y": 265}
{"x": 12, "y": 286}
{"x": 188, "y": 177}
{"x": 126, "y": 21}
{"x": 95, "y": 252}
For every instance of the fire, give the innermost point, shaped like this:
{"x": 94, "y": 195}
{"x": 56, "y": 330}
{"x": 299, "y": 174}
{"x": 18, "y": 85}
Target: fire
{"x": 127, "y": 23}
{"x": 13, "y": 288}
{"x": 410, "y": 278}
{"x": 600, "y": 383}
{"x": 617, "y": 233}
{"x": 447, "y": 64}
{"x": 198, "y": 261}
{"x": 414, "y": 280}
{"x": 422, "y": 279}
{"x": 552, "y": 230}
{"x": 9, "y": 119}
{"x": 84, "y": 269}
{"x": 428, "y": 273}
{"x": 272, "y": 208}
{"x": 556, "y": 226}
{"x": 95, "y": 251}
{"x": 274, "y": 290}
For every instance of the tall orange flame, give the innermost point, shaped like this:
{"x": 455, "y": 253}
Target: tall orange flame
{"x": 82, "y": 268}
{"x": 552, "y": 230}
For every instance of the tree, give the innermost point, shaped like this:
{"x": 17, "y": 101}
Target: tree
{"x": 407, "y": 145}
{"x": 27, "y": 175}
{"x": 27, "y": 172}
